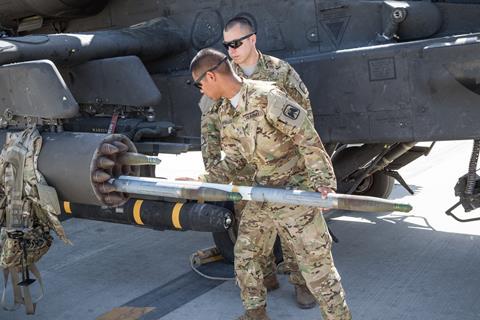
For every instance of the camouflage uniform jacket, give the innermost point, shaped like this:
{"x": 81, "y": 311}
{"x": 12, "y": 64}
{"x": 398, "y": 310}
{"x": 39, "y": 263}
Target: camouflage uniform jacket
{"x": 273, "y": 133}
{"x": 268, "y": 69}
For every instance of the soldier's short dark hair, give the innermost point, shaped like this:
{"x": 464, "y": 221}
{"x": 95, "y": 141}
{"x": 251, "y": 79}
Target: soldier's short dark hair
{"x": 241, "y": 21}
{"x": 208, "y": 58}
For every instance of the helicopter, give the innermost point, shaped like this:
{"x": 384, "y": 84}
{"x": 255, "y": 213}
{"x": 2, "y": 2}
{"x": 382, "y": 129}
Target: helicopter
{"x": 382, "y": 75}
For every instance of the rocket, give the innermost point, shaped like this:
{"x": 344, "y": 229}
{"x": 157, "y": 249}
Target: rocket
{"x": 223, "y": 192}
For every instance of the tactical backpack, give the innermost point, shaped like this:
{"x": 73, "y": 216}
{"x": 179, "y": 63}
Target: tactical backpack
{"x": 28, "y": 211}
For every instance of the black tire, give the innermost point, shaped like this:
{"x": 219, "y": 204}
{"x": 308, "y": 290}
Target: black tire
{"x": 224, "y": 241}
{"x": 377, "y": 185}
{"x": 225, "y": 245}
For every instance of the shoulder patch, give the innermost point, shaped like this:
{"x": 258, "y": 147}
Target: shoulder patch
{"x": 285, "y": 110}
{"x": 291, "y": 112}
{"x": 303, "y": 88}
{"x": 296, "y": 82}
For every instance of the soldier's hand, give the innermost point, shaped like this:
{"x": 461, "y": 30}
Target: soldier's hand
{"x": 325, "y": 191}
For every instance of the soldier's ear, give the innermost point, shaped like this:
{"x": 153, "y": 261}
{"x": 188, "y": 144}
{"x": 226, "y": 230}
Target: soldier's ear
{"x": 211, "y": 75}
{"x": 253, "y": 39}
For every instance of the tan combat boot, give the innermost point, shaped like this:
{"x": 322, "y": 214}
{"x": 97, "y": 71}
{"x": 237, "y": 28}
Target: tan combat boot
{"x": 305, "y": 299}
{"x": 255, "y": 314}
{"x": 271, "y": 282}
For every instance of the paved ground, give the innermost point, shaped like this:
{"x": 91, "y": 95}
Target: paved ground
{"x": 421, "y": 265}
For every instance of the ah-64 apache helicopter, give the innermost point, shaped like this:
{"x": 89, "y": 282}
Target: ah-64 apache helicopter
{"x": 382, "y": 76}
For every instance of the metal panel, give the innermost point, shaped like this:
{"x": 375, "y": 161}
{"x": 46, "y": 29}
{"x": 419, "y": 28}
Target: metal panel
{"x": 35, "y": 89}
{"x": 118, "y": 81}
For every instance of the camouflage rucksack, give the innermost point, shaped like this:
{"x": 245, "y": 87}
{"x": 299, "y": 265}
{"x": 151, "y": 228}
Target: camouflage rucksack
{"x": 28, "y": 211}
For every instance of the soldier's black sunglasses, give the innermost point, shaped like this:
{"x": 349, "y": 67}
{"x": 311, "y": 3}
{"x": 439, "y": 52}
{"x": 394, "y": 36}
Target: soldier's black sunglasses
{"x": 234, "y": 44}
{"x": 197, "y": 83}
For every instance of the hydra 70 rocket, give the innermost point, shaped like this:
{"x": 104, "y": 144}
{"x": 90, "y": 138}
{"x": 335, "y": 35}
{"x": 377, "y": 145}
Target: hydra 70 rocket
{"x": 223, "y": 192}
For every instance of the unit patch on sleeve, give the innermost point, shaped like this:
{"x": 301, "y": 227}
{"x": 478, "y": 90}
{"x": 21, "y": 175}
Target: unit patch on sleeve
{"x": 291, "y": 112}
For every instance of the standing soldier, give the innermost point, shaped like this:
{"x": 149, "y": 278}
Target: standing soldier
{"x": 240, "y": 41}
{"x": 263, "y": 127}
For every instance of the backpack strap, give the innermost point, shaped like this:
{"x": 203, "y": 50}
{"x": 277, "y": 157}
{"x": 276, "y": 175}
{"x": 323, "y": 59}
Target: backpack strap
{"x": 15, "y": 159}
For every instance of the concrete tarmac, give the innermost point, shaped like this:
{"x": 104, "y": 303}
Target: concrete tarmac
{"x": 420, "y": 265}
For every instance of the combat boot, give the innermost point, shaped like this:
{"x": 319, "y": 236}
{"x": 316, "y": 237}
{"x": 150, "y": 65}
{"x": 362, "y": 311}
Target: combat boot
{"x": 305, "y": 299}
{"x": 271, "y": 282}
{"x": 255, "y": 314}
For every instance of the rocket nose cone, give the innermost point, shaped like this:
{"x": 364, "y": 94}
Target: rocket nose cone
{"x": 403, "y": 207}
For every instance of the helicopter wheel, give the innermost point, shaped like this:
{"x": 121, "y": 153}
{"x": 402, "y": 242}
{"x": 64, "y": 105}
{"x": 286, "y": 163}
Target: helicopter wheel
{"x": 377, "y": 185}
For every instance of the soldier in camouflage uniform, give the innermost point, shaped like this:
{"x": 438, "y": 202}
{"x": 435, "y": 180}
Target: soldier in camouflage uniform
{"x": 249, "y": 63}
{"x": 263, "y": 127}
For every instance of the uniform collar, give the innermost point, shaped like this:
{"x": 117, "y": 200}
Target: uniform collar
{"x": 242, "y": 93}
{"x": 261, "y": 65}
{"x": 241, "y": 107}
{"x": 235, "y": 99}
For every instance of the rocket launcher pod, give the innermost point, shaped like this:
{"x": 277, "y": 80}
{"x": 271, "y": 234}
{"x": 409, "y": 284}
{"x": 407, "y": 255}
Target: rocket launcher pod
{"x": 79, "y": 165}
{"x": 189, "y": 189}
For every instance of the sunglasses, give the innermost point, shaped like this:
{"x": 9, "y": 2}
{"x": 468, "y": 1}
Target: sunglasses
{"x": 197, "y": 83}
{"x": 234, "y": 44}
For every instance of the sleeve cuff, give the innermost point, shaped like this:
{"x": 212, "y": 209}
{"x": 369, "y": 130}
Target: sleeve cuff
{"x": 326, "y": 184}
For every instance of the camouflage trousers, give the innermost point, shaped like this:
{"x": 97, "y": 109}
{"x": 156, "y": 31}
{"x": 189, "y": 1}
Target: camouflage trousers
{"x": 268, "y": 261}
{"x": 305, "y": 231}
